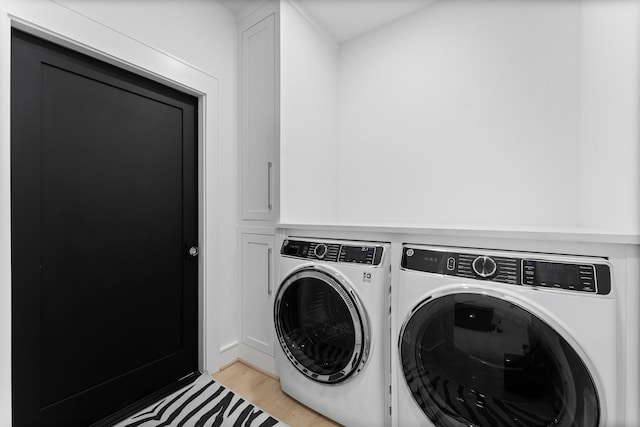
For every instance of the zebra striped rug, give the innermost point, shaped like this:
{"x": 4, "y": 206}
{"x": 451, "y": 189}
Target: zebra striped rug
{"x": 203, "y": 403}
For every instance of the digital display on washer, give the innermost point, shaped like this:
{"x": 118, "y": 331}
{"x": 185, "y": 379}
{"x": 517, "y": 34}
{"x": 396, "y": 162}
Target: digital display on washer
{"x": 295, "y": 248}
{"x": 425, "y": 260}
{"x": 359, "y": 255}
{"x": 575, "y": 277}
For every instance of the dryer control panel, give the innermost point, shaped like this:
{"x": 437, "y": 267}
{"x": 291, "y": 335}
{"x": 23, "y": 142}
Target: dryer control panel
{"x": 534, "y": 271}
{"x": 333, "y": 251}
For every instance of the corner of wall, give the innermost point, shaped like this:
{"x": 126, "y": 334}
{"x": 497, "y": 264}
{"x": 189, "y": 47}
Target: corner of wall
{"x": 308, "y": 107}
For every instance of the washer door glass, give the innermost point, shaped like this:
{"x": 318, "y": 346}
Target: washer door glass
{"x": 477, "y": 360}
{"x": 321, "y": 326}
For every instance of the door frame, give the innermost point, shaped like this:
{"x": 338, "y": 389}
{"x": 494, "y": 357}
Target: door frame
{"x": 63, "y": 26}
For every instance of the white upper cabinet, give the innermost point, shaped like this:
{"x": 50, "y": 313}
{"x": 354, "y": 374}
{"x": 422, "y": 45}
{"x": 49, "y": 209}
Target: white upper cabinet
{"x": 259, "y": 118}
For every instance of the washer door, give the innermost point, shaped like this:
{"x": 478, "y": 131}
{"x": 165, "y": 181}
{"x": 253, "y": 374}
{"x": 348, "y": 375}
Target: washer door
{"x": 477, "y": 360}
{"x": 321, "y": 326}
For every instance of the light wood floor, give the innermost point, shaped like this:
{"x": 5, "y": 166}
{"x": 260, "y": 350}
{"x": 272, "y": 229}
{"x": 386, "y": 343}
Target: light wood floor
{"x": 265, "y": 392}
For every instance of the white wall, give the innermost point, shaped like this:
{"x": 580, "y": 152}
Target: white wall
{"x": 478, "y": 113}
{"x": 610, "y": 116}
{"x": 190, "y": 44}
{"x": 198, "y": 32}
{"x": 465, "y": 112}
{"x": 5, "y": 232}
{"x": 308, "y": 75}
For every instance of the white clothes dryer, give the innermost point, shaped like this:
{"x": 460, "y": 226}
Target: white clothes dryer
{"x": 331, "y": 314}
{"x": 498, "y": 338}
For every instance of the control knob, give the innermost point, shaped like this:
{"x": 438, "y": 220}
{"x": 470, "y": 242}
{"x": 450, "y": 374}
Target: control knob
{"x": 484, "y": 266}
{"x": 320, "y": 250}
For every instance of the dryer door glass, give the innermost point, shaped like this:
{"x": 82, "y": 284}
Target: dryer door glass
{"x": 321, "y": 327}
{"x": 477, "y": 360}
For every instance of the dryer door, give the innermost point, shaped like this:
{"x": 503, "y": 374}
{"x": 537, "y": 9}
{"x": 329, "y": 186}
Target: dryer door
{"x": 477, "y": 360}
{"x": 321, "y": 326}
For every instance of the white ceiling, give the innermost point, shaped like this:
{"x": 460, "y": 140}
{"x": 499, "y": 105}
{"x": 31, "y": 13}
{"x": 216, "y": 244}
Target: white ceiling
{"x": 241, "y": 6}
{"x": 345, "y": 19}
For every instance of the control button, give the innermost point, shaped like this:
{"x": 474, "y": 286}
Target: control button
{"x": 320, "y": 250}
{"x": 484, "y": 266}
{"x": 451, "y": 264}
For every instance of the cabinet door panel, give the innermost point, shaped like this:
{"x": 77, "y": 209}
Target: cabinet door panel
{"x": 257, "y": 291}
{"x": 258, "y": 120}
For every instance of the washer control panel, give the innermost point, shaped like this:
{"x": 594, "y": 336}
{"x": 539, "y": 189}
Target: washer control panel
{"x": 332, "y": 251}
{"x": 534, "y": 271}
{"x": 574, "y": 277}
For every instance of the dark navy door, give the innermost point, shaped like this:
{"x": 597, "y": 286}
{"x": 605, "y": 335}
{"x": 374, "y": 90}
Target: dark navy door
{"x": 104, "y": 210}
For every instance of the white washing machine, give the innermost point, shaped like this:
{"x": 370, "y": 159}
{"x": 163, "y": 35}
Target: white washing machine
{"x": 331, "y": 314}
{"x": 497, "y": 338}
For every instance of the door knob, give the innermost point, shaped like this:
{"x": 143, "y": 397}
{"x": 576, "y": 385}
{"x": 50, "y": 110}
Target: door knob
{"x": 193, "y": 251}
